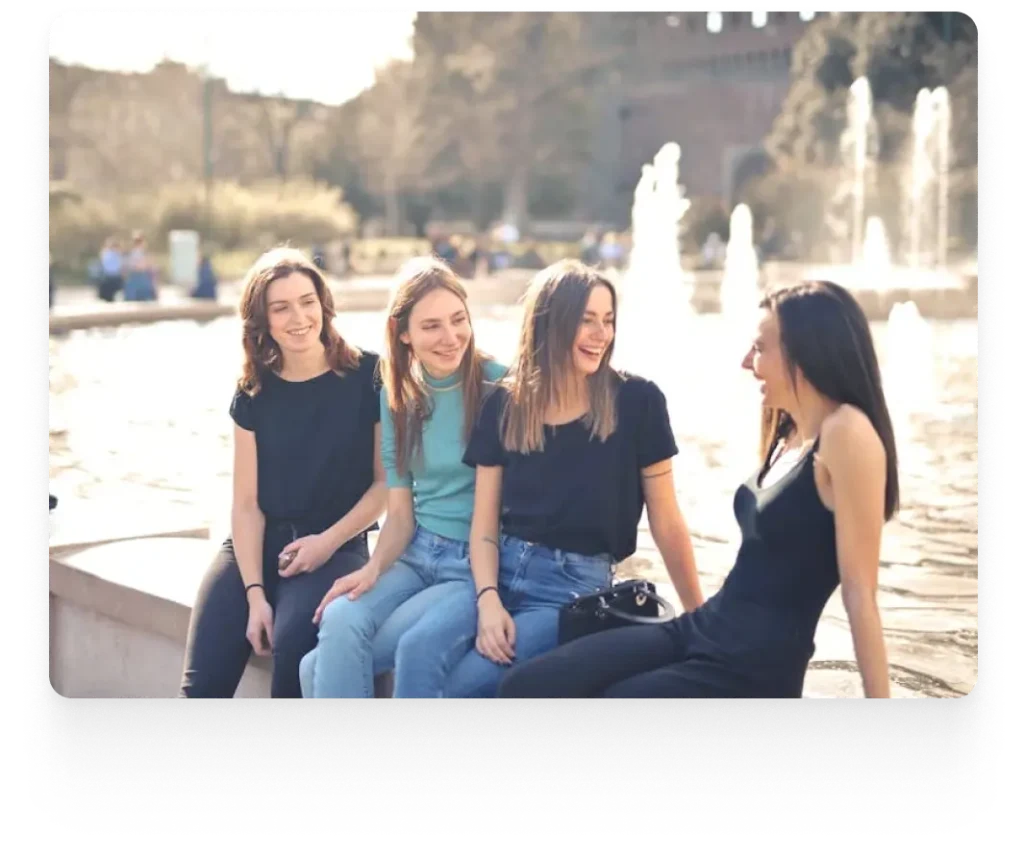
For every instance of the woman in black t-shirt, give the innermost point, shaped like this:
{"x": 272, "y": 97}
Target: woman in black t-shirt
{"x": 567, "y": 453}
{"x": 811, "y": 520}
{"x": 308, "y": 482}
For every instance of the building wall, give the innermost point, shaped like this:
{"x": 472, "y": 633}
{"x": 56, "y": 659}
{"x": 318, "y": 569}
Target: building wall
{"x": 715, "y": 94}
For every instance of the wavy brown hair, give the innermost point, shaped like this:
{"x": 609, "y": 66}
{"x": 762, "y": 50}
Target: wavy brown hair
{"x": 262, "y": 354}
{"x": 554, "y": 306}
{"x": 823, "y": 331}
{"x": 408, "y": 396}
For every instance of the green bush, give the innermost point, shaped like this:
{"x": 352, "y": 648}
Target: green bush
{"x": 78, "y": 229}
{"x": 300, "y": 213}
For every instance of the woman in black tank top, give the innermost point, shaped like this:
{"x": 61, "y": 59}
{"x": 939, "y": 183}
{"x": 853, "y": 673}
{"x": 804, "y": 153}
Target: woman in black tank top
{"x": 811, "y": 519}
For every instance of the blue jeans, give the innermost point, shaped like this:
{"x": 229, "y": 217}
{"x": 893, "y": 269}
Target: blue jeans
{"x": 358, "y": 639}
{"x": 534, "y": 583}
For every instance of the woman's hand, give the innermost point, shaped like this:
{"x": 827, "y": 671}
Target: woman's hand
{"x": 356, "y": 583}
{"x": 308, "y": 553}
{"x": 260, "y": 629}
{"x": 496, "y": 631}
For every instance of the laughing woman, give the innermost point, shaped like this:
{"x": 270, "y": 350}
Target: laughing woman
{"x": 811, "y": 520}
{"x": 434, "y": 380}
{"x": 308, "y": 482}
{"x": 567, "y": 453}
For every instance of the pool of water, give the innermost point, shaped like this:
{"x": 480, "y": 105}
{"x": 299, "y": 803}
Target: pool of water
{"x": 139, "y": 422}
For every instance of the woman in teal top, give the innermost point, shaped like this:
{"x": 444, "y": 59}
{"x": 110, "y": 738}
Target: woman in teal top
{"x": 434, "y": 381}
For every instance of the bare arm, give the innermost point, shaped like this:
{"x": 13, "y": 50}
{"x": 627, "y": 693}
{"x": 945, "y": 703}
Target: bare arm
{"x": 247, "y": 521}
{"x": 496, "y": 631}
{"x": 396, "y": 532}
{"x": 671, "y": 536}
{"x": 368, "y": 509}
{"x": 853, "y": 456}
{"x": 485, "y": 528}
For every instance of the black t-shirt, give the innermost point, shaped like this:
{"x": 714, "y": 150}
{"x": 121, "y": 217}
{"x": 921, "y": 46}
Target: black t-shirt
{"x": 578, "y": 494}
{"x": 314, "y": 442}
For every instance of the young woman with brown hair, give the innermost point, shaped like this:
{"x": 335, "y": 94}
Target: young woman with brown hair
{"x": 308, "y": 481}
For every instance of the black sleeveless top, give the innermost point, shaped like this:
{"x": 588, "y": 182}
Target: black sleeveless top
{"x": 785, "y": 571}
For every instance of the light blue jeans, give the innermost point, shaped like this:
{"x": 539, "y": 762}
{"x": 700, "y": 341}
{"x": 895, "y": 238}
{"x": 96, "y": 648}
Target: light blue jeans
{"x": 534, "y": 583}
{"x": 361, "y": 638}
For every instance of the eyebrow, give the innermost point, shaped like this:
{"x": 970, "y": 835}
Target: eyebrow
{"x": 285, "y": 301}
{"x": 438, "y": 319}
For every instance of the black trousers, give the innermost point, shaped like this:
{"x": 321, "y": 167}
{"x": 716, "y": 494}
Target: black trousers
{"x": 216, "y": 651}
{"x": 110, "y": 286}
{"x": 672, "y": 660}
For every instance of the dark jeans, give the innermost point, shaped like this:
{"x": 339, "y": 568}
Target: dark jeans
{"x": 110, "y": 286}
{"x": 672, "y": 660}
{"x": 216, "y": 651}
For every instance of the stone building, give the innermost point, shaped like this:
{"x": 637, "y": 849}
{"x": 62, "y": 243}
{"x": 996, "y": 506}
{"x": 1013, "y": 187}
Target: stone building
{"x": 712, "y": 82}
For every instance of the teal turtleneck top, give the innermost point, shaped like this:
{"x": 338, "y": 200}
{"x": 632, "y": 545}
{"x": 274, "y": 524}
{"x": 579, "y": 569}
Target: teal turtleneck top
{"x": 442, "y": 485}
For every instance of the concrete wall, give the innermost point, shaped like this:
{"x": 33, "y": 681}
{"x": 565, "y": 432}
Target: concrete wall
{"x": 119, "y": 615}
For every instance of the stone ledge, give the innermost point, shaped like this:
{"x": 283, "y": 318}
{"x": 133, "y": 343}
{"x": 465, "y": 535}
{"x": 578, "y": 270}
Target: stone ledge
{"x": 124, "y": 606}
{"x": 119, "y": 615}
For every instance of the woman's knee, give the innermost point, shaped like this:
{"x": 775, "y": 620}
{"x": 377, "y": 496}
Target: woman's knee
{"x": 524, "y": 681}
{"x": 307, "y": 668}
{"x": 347, "y": 621}
{"x": 473, "y": 677}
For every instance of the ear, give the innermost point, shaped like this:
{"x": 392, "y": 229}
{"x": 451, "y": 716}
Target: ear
{"x": 404, "y": 338}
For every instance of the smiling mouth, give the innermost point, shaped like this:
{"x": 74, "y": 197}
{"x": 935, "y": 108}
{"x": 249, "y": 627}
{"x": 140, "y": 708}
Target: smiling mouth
{"x": 299, "y": 332}
{"x": 590, "y": 352}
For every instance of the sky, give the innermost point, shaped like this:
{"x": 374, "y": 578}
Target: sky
{"x": 324, "y": 55}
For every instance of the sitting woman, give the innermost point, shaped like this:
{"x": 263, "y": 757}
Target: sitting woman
{"x": 567, "y": 453}
{"x": 434, "y": 380}
{"x": 308, "y": 482}
{"x": 811, "y": 520}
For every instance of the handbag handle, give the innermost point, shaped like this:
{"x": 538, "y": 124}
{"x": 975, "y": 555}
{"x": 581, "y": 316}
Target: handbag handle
{"x": 670, "y": 612}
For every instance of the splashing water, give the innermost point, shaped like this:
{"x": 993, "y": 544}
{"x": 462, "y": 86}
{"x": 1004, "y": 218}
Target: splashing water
{"x": 740, "y": 288}
{"x": 927, "y": 199}
{"x": 655, "y": 293}
{"x": 909, "y": 372}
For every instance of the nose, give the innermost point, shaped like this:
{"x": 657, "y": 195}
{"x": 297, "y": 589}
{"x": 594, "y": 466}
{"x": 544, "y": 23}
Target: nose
{"x": 748, "y": 360}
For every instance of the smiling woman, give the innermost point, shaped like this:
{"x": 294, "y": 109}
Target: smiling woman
{"x": 567, "y": 452}
{"x": 308, "y": 481}
{"x": 434, "y": 379}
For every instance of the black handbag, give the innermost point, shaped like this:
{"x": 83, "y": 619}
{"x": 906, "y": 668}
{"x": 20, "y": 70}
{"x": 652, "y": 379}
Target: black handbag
{"x": 634, "y": 601}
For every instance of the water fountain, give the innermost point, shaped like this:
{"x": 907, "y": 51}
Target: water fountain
{"x": 859, "y": 152}
{"x": 926, "y": 227}
{"x": 862, "y": 148}
{"x": 741, "y": 278}
{"x": 655, "y": 292}
{"x": 909, "y": 378}
{"x": 856, "y": 261}
{"x": 876, "y": 261}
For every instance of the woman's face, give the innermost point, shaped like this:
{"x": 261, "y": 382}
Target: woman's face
{"x": 439, "y": 332}
{"x": 595, "y": 333}
{"x": 294, "y": 314}
{"x": 767, "y": 363}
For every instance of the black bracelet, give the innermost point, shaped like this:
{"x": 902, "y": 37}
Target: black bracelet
{"x": 484, "y": 590}
{"x": 255, "y": 585}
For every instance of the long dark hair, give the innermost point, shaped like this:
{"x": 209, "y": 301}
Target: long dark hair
{"x": 824, "y": 333}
